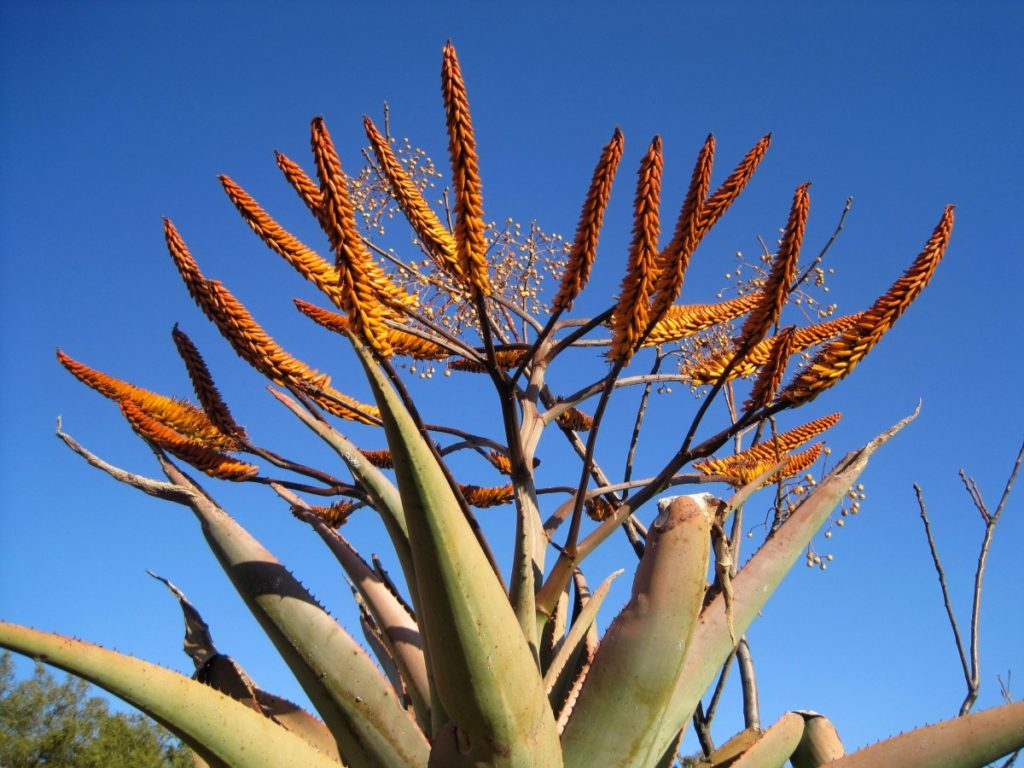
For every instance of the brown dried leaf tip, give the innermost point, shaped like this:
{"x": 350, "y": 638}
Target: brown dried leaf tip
{"x": 197, "y": 454}
{"x": 776, "y": 289}
{"x": 179, "y": 416}
{"x": 584, "y": 247}
{"x": 841, "y": 356}
{"x": 632, "y": 309}
{"x": 470, "y": 241}
{"x": 202, "y": 382}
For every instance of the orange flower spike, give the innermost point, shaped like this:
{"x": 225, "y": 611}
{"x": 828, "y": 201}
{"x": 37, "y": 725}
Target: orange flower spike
{"x": 505, "y": 358}
{"x": 674, "y": 260}
{"x": 306, "y": 188}
{"x": 335, "y": 515}
{"x": 584, "y": 247}
{"x": 633, "y": 308}
{"x": 470, "y": 241}
{"x": 776, "y": 289}
{"x": 770, "y": 378}
{"x": 709, "y": 369}
{"x": 332, "y": 321}
{"x": 576, "y": 420}
{"x": 682, "y": 320}
{"x": 308, "y": 262}
{"x": 730, "y": 189}
{"x": 477, "y": 496}
{"x": 841, "y": 356}
{"x": 186, "y": 264}
{"x": 202, "y": 382}
{"x": 200, "y": 456}
{"x": 437, "y": 240}
{"x": 179, "y": 416}
{"x": 382, "y": 459}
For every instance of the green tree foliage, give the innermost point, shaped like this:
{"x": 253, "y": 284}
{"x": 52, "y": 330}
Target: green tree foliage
{"x": 46, "y": 721}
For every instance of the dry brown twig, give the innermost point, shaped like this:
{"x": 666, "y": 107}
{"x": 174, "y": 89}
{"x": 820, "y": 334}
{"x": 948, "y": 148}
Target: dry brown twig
{"x": 970, "y": 656}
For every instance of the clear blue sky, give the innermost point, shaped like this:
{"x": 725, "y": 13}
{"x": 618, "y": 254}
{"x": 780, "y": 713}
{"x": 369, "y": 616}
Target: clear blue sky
{"x": 114, "y": 115}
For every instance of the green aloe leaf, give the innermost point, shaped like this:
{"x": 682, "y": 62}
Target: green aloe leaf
{"x": 971, "y": 741}
{"x": 220, "y": 730}
{"x": 627, "y": 691}
{"x": 354, "y": 699}
{"x": 820, "y": 743}
{"x": 757, "y": 581}
{"x": 775, "y": 746}
{"x": 486, "y": 675}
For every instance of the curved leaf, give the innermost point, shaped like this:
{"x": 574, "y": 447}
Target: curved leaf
{"x": 221, "y": 730}
{"x": 775, "y": 746}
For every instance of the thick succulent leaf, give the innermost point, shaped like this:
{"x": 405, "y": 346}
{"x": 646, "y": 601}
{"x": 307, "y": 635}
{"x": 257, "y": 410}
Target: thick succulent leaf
{"x": 971, "y": 741}
{"x": 221, "y": 731}
{"x": 224, "y": 674}
{"x": 399, "y": 630}
{"x": 775, "y": 746}
{"x": 559, "y": 675}
{"x": 356, "y": 702}
{"x": 485, "y": 673}
{"x": 625, "y": 695}
{"x": 755, "y": 583}
{"x": 820, "y": 743}
{"x": 382, "y": 492}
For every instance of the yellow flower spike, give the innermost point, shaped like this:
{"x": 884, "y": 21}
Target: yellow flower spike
{"x": 841, "y": 356}
{"x": 182, "y": 417}
{"x": 769, "y": 452}
{"x": 310, "y": 264}
{"x": 477, "y": 496}
{"x": 199, "y": 455}
{"x": 584, "y": 247}
{"x": 770, "y": 378}
{"x": 674, "y": 260}
{"x": 723, "y": 197}
{"x": 470, "y": 241}
{"x": 632, "y": 309}
{"x": 776, "y": 289}
{"x": 708, "y": 370}
{"x": 206, "y": 390}
{"x": 683, "y": 320}
{"x": 437, "y": 240}
{"x": 304, "y": 186}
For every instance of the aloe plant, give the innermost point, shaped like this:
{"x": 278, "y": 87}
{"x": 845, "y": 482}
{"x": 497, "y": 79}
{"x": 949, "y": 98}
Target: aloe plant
{"x": 475, "y": 666}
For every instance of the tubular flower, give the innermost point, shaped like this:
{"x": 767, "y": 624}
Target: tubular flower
{"x": 584, "y": 247}
{"x": 199, "y": 455}
{"x": 743, "y": 473}
{"x": 632, "y": 309}
{"x": 182, "y": 417}
{"x": 306, "y": 188}
{"x": 308, "y": 262}
{"x": 771, "y": 451}
{"x": 576, "y": 420}
{"x": 364, "y": 288}
{"x": 381, "y": 459}
{"x": 436, "y": 239}
{"x": 335, "y": 515}
{"x": 202, "y": 382}
{"x": 776, "y": 289}
{"x": 477, "y": 496}
{"x": 841, "y": 356}
{"x": 505, "y": 358}
{"x": 470, "y": 242}
{"x": 402, "y": 343}
{"x": 674, "y": 260}
{"x": 709, "y": 370}
{"x": 730, "y": 189}
{"x": 501, "y": 462}
{"x": 770, "y": 378}
{"x": 682, "y": 320}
